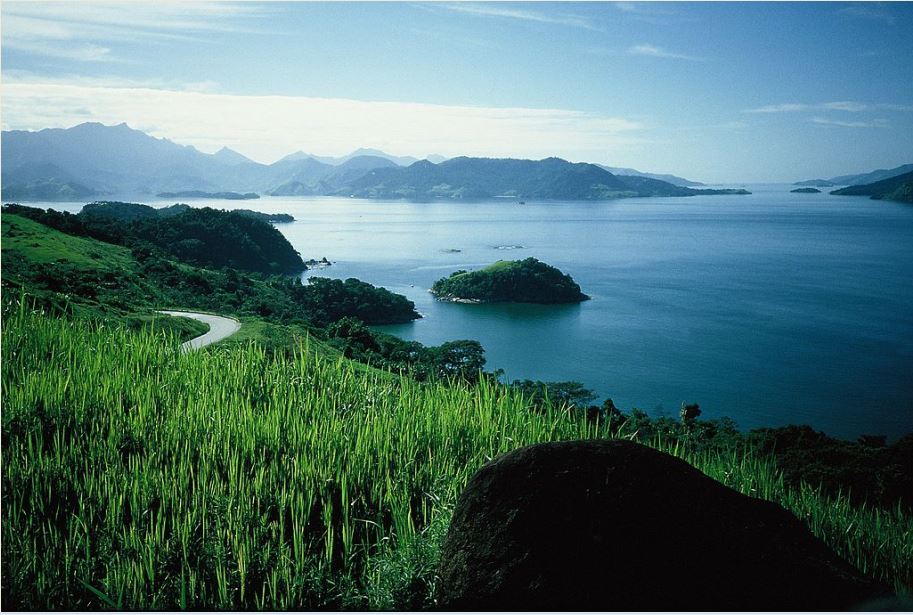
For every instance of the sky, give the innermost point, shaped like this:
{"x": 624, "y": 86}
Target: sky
{"x": 715, "y": 92}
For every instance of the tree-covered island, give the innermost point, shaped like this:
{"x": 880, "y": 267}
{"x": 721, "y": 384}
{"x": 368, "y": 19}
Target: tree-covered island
{"x": 525, "y": 281}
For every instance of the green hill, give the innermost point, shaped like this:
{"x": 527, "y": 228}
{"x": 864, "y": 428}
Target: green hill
{"x": 203, "y": 237}
{"x": 526, "y": 281}
{"x": 898, "y": 188}
{"x": 106, "y": 280}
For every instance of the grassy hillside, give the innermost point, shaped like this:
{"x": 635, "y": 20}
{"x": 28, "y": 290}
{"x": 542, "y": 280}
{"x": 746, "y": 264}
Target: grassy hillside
{"x": 137, "y": 477}
{"x": 24, "y": 238}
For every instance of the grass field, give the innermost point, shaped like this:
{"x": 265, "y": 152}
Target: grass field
{"x": 138, "y": 477}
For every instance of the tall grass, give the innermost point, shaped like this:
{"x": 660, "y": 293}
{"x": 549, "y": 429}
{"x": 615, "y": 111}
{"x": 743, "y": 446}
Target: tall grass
{"x": 138, "y": 477}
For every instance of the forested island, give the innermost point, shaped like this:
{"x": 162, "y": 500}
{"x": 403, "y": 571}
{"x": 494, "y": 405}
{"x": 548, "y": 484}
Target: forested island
{"x": 806, "y": 191}
{"x": 525, "y": 281}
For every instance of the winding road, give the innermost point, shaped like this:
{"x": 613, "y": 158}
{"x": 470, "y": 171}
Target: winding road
{"x": 220, "y": 327}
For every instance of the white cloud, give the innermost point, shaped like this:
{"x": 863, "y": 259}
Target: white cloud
{"x": 268, "y": 127}
{"x": 880, "y": 123}
{"x": 499, "y": 10}
{"x": 845, "y": 105}
{"x": 653, "y": 51}
{"x": 75, "y": 30}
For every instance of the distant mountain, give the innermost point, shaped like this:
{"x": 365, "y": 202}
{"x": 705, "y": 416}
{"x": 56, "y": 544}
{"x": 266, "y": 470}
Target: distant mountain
{"x": 96, "y": 161}
{"x": 871, "y": 177}
{"x": 402, "y": 161}
{"x": 815, "y": 183}
{"x": 896, "y": 188}
{"x": 230, "y": 156}
{"x": 474, "y": 178}
{"x": 671, "y": 179}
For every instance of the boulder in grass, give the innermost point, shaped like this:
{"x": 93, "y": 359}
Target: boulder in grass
{"x": 613, "y": 525}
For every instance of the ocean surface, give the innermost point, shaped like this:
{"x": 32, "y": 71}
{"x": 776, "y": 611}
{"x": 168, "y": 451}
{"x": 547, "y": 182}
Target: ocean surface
{"x": 771, "y": 308}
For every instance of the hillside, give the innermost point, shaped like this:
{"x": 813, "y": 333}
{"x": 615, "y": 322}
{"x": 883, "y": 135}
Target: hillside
{"x": 675, "y": 180}
{"x": 857, "y": 179}
{"x": 871, "y": 176}
{"x": 897, "y": 188}
{"x": 231, "y": 479}
{"x": 526, "y": 281}
{"x": 99, "y": 279}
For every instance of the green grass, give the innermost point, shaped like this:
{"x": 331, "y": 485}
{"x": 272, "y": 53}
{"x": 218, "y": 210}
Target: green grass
{"x": 37, "y": 243}
{"x": 138, "y": 477}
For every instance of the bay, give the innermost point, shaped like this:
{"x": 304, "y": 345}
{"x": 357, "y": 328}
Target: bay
{"x": 770, "y": 308}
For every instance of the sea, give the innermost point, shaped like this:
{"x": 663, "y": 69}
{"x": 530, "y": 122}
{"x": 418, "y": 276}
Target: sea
{"x": 772, "y": 308}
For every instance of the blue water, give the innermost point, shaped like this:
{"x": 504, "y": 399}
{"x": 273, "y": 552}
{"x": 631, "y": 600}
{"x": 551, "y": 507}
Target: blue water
{"x": 771, "y": 308}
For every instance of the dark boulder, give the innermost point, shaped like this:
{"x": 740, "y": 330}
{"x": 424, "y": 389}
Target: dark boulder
{"x": 612, "y": 525}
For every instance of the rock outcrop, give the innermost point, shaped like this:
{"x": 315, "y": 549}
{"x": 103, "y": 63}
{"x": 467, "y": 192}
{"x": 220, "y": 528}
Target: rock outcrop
{"x": 613, "y": 525}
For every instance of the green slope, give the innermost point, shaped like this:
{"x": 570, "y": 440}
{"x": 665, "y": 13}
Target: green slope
{"x": 137, "y": 477}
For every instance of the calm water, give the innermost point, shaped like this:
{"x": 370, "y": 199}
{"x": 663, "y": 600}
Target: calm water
{"x": 772, "y": 308}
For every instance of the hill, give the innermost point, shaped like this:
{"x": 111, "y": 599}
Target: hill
{"x": 202, "y": 237}
{"x": 526, "y": 281}
{"x": 479, "y": 178}
{"x": 897, "y": 188}
{"x": 675, "y": 180}
{"x": 857, "y": 179}
{"x": 98, "y": 277}
{"x": 870, "y": 177}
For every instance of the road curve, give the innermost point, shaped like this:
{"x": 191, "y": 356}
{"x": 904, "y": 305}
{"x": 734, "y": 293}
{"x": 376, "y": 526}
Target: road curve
{"x": 220, "y": 327}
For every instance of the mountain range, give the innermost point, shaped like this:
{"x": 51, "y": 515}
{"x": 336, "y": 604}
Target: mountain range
{"x": 93, "y": 160}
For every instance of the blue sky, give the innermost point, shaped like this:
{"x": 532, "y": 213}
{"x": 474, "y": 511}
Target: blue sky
{"x": 718, "y": 92}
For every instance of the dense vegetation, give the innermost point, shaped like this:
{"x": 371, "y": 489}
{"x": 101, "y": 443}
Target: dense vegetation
{"x": 136, "y": 476}
{"x": 90, "y": 277}
{"x": 525, "y": 281}
{"x": 203, "y": 237}
{"x": 897, "y": 188}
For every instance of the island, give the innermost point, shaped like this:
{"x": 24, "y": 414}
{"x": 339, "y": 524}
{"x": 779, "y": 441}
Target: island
{"x": 199, "y": 194}
{"x": 524, "y": 281}
{"x": 806, "y": 191}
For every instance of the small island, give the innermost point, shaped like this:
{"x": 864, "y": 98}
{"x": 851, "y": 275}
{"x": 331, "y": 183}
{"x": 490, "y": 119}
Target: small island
{"x": 199, "y": 194}
{"x": 525, "y": 281}
{"x": 806, "y": 191}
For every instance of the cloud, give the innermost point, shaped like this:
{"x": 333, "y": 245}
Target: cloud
{"x": 781, "y": 108}
{"x": 499, "y": 10}
{"x": 268, "y": 127}
{"x": 657, "y": 52}
{"x": 83, "y": 31}
{"x": 880, "y": 123}
{"x": 871, "y": 12}
{"x": 844, "y": 105}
